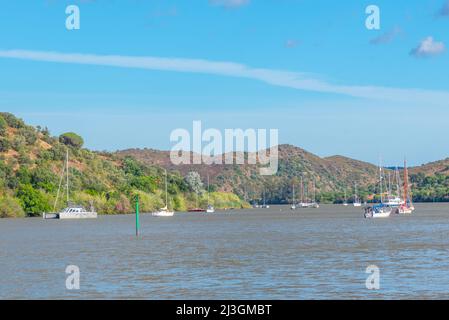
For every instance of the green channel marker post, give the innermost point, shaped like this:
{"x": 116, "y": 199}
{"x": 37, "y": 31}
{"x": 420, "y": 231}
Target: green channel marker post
{"x": 137, "y": 216}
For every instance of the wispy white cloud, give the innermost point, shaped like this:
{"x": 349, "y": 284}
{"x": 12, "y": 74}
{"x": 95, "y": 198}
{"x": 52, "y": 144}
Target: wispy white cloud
{"x": 427, "y": 48}
{"x": 281, "y": 78}
{"x": 387, "y": 37}
{"x": 229, "y": 3}
{"x": 291, "y": 43}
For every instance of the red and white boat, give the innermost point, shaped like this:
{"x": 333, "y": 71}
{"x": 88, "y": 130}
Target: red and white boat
{"x": 407, "y": 207}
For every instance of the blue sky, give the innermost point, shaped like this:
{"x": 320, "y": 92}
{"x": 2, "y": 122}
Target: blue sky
{"x": 308, "y": 68}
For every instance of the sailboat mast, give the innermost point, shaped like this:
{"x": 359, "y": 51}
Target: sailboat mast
{"x": 381, "y": 182}
{"x": 166, "y": 190}
{"x": 208, "y": 189}
{"x": 67, "y": 166}
{"x": 398, "y": 189}
{"x": 406, "y": 197}
{"x": 389, "y": 184}
{"x": 314, "y": 192}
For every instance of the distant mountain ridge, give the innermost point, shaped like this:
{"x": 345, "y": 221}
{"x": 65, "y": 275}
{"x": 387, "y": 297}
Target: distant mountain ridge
{"x": 331, "y": 175}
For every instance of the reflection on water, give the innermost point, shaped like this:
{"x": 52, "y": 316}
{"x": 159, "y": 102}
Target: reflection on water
{"x": 271, "y": 253}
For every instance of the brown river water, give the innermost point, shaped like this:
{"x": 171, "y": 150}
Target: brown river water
{"x": 271, "y": 253}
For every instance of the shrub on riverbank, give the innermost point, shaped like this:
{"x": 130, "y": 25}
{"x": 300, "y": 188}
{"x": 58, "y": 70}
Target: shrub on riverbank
{"x": 10, "y": 208}
{"x": 33, "y": 201}
{"x": 224, "y": 200}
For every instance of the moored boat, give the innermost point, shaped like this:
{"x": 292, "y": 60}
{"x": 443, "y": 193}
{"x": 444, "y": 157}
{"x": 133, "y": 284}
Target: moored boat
{"x": 72, "y": 211}
{"x": 264, "y": 205}
{"x": 345, "y": 202}
{"x": 378, "y": 211}
{"x": 196, "y": 210}
{"x": 210, "y": 208}
{"x": 164, "y": 212}
{"x": 357, "y": 202}
{"x": 407, "y": 207}
{"x": 293, "y": 206}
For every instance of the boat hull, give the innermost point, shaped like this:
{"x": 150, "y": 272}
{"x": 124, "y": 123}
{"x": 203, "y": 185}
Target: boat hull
{"x": 378, "y": 215}
{"x": 163, "y": 214}
{"x": 70, "y": 216}
{"x": 197, "y": 210}
{"x": 405, "y": 210}
{"x": 381, "y": 215}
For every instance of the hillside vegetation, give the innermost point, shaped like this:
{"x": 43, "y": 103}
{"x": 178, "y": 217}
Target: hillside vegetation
{"x": 31, "y": 163}
{"x": 332, "y": 176}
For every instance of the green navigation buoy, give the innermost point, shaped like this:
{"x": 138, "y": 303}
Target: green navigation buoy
{"x": 137, "y": 216}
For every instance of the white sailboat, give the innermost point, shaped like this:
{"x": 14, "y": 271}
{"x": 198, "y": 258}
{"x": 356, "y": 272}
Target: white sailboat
{"x": 380, "y": 210}
{"x": 210, "y": 208}
{"x": 357, "y": 202}
{"x": 293, "y": 206}
{"x": 306, "y": 201}
{"x": 265, "y": 205}
{"x": 345, "y": 202}
{"x": 394, "y": 200}
{"x": 407, "y": 207}
{"x": 303, "y": 203}
{"x": 313, "y": 203}
{"x": 164, "y": 212}
{"x": 72, "y": 211}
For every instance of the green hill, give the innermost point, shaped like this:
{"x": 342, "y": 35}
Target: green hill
{"x": 332, "y": 176}
{"x": 31, "y": 163}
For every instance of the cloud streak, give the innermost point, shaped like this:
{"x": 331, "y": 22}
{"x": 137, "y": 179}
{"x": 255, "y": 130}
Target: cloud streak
{"x": 281, "y": 78}
{"x": 387, "y": 37}
{"x": 428, "y": 48}
{"x": 291, "y": 43}
{"x": 229, "y": 3}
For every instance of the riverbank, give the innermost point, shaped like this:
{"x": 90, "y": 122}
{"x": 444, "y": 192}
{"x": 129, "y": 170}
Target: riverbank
{"x": 10, "y": 207}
